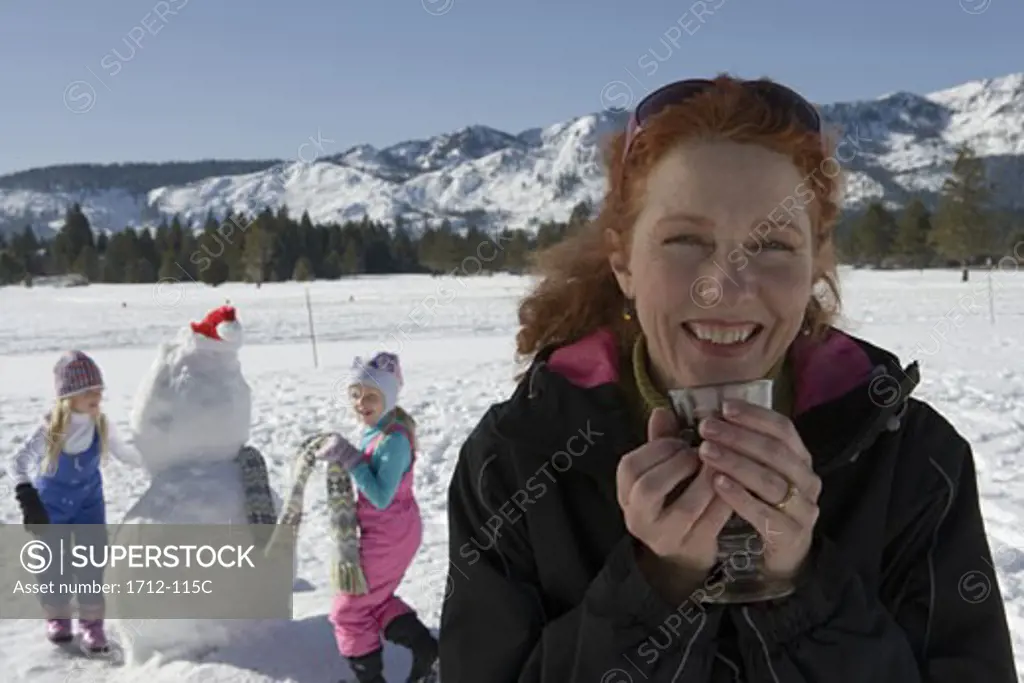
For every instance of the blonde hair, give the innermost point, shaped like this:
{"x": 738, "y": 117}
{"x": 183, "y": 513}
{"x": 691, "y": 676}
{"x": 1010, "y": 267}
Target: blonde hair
{"x": 406, "y": 419}
{"x": 57, "y": 433}
{"x": 398, "y": 415}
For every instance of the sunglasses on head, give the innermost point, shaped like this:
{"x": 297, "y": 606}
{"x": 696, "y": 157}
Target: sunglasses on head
{"x": 777, "y": 96}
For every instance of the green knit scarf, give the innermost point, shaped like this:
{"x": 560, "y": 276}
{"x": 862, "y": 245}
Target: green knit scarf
{"x": 346, "y": 571}
{"x": 643, "y": 389}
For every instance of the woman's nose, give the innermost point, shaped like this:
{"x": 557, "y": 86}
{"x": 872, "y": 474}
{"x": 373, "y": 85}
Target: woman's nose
{"x": 728, "y": 276}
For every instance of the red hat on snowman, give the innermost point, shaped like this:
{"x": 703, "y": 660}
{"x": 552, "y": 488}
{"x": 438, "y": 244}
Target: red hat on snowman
{"x": 220, "y": 324}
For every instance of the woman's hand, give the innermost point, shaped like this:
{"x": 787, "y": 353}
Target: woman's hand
{"x": 680, "y": 533}
{"x": 763, "y": 471}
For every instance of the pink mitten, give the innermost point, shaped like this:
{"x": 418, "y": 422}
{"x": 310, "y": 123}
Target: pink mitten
{"x": 338, "y": 449}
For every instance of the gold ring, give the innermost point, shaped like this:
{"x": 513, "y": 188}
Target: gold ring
{"x": 790, "y": 494}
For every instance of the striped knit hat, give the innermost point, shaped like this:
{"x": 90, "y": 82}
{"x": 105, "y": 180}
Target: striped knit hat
{"x": 76, "y": 373}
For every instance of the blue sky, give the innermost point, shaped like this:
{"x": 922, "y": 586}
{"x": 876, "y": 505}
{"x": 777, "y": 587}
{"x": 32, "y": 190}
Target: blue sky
{"x": 191, "y": 79}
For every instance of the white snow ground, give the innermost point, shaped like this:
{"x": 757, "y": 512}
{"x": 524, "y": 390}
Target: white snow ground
{"x": 455, "y": 337}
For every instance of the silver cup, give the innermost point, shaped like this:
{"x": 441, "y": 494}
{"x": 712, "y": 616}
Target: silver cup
{"x": 739, "y": 575}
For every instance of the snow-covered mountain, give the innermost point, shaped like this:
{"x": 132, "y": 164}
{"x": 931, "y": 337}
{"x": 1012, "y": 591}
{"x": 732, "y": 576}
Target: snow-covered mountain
{"x": 898, "y": 145}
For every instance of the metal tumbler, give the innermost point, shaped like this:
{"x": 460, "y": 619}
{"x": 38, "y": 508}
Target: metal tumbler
{"x": 738, "y": 575}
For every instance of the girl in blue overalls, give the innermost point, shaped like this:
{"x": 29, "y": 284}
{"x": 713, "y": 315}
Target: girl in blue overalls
{"x": 59, "y": 482}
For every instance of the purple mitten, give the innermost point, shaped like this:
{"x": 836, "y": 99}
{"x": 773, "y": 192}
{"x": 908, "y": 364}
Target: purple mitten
{"x": 338, "y": 449}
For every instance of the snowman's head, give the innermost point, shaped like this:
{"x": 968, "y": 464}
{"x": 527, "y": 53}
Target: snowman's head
{"x": 194, "y": 406}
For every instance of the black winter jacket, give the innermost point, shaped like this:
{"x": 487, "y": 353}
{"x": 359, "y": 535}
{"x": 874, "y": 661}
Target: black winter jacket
{"x": 544, "y": 587}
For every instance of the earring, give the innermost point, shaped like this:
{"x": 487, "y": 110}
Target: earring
{"x": 628, "y": 310}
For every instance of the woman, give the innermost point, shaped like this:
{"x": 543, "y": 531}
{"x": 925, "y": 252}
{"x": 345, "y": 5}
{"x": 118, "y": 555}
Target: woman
{"x": 712, "y": 261}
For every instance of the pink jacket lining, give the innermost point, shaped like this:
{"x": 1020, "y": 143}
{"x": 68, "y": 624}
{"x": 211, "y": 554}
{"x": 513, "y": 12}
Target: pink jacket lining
{"x": 823, "y": 370}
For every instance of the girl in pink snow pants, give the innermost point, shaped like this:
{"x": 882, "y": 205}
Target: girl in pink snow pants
{"x": 390, "y": 527}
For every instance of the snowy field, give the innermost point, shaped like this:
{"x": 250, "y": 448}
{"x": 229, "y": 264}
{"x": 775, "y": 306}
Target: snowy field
{"x": 456, "y": 340}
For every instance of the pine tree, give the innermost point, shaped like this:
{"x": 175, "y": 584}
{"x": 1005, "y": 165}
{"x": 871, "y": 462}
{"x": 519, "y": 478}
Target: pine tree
{"x": 212, "y": 254}
{"x": 87, "y": 264}
{"x": 550, "y": 233}
{"x": 169, "y": 268}
{"x": 440, "y": 250}
{"x": 260, "y": 249}
{"x": 403, "y": 249}
{"x": 27, "y": 243}
{"x": 303, "y": 270}
{"x": 307, "y": 242}
{"x": 335, "y": 239}
{"x": 175, "y": 235}
{"x": 913, "y": 231}
{"x": 231, "y": 232}
{"x": 961, "y": 224}
{"x": 287, "y": 249}
{"x": 120, "y": 258}
{"x": 188, "y": 254}
{"x": 872, "y": 235}
{"x": 333, "y": 266}
{"x": 477, "y": 251}
{"x": 25, "y": 250}
{"x": 162, "y": 238}
{"x": 257, "y": 253}
{"x": 11, "y": 269}
{"x": 515, "y": 249}
{"x": 143, "y": 271}
{"x": 74, "y": 236}
{"x": 211, "y": 257}
{"x": 349, "y": 261}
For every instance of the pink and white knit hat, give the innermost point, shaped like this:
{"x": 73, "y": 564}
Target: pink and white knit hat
{"x": 76, "y": 373}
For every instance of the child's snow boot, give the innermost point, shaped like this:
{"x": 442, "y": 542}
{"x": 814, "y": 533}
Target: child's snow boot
{"x": 94, "y": 639}
{"x": 409, "y": 632}
{"x": 368, "y": 668}
{"x": 58, "y": 630}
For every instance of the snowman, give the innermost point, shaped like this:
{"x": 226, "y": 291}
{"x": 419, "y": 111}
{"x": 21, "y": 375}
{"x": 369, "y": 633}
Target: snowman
{"x": 190, "y": 423}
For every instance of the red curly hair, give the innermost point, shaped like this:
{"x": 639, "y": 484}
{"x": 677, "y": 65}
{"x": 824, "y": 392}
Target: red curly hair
{"x": 578, "y": 294}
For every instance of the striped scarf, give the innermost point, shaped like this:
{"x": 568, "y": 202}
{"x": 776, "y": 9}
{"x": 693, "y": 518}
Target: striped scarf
{"x": 346, "y": 571}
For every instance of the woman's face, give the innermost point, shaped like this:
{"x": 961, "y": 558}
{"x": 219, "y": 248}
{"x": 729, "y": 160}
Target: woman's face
{"x": 367, "y": 402}
{"x": 721, "y": 264}
{"x": 88, "y": 402}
